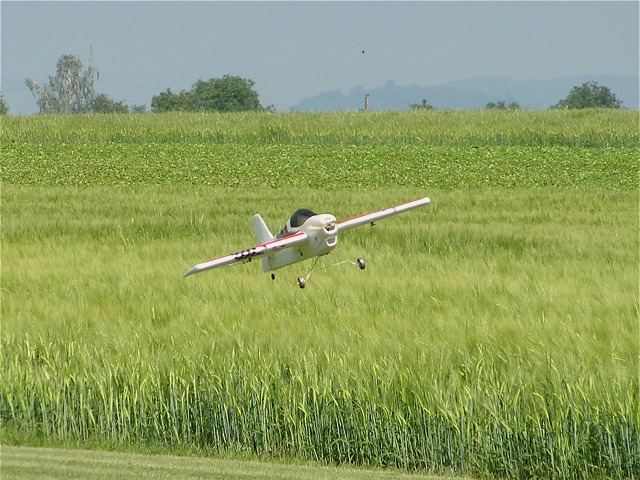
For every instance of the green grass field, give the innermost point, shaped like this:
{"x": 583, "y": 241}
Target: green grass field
{"x": 494, "y": 333}
{"x": 37, "y": 463}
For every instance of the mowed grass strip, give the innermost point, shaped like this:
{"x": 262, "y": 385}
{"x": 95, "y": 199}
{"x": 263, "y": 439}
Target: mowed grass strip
{"x": 33, "y": 463}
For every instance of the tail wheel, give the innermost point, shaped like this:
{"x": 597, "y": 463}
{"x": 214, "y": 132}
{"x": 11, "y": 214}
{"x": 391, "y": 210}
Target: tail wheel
{"x": 301, "y": 282}
{"x": 361, "y": 263}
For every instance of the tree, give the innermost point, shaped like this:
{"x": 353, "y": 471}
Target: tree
{"x": 71, "y": 90}
{"x": 589, "y": 95}
{"x": 502, "y": 105}
{"x": 170, "y": 102}
{"x": 422, "y": 106}
{"x": 3, "y": 105}
{"x": 138, "y": 109}
{"x": 104, "y": 104}
{"x": 226, "y": 94}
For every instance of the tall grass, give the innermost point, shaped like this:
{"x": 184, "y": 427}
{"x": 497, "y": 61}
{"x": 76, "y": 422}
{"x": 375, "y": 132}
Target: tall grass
{"x": 494, "y": 333}
{"x": 586, "y": 128}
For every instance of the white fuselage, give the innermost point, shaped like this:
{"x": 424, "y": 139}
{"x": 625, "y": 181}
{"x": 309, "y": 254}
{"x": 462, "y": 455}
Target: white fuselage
{"x": 306, "y": 235}
{"x": 322, "y": 237}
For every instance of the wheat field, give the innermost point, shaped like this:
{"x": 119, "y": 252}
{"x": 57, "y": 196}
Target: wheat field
{"x": 494, "y": 333}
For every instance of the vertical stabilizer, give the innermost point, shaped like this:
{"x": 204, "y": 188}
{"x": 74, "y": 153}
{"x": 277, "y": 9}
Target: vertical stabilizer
{"x": 263, "y": 235}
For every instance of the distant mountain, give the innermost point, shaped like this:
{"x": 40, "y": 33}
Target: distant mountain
{"x": 472, "y": 94}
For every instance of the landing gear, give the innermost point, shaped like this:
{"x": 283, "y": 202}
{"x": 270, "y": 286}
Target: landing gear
{"x": 302, "y": 281}
{"x": 360, "y": 263}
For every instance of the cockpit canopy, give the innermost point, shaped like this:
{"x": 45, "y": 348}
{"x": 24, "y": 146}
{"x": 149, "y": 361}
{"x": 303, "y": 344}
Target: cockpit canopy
{"x": 296, "y": 221}
{"x": 300, "y": 216}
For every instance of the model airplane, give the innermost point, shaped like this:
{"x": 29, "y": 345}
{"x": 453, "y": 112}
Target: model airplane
{"x": 306, "y": 235}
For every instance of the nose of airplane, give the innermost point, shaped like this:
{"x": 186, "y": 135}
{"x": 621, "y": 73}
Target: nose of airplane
{"x": 329, "y": 223}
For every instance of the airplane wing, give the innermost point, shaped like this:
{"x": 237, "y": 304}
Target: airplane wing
{"x": 373, "y": 216}
{"x": 249, "y": 254}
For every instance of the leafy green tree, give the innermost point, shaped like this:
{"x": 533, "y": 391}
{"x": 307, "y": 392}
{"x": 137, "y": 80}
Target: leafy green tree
{"x": 71, "y": 90}
{"x": 589, "y": 95}
{"x": 3, "y": 105}
{"x": 502, "y": 105}
{"x": 170, "y": 102}
{"x": 226, "y": 94}
{"x": 422, "y": 106}
{"x": 104, "y": 104}
{"x": 137, "y": 109}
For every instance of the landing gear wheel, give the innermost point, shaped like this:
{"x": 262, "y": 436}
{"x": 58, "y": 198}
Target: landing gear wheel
{"x": 301, "y": 282}
{"x": 361, "y": 263}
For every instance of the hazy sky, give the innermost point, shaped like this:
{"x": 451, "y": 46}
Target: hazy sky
{"x": 294, "y": 50}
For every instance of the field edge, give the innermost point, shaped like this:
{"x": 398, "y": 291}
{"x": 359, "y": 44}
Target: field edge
{"x": 47, "y": 462}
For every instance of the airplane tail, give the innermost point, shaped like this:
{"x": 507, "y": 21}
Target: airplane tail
{"x": 263, "y": 235}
